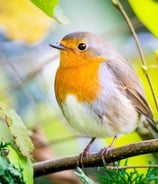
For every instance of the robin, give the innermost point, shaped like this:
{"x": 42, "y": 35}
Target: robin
{"x": 98, "y": 91}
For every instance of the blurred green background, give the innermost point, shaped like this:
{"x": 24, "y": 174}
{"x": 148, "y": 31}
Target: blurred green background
{"x": 28, "y": 65}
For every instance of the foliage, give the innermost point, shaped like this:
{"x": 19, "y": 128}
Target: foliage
{"x": 59, "y": 16}
{"x": 21, "y": 162}
{"x": 8, "y": 172}
{"x": 52, "y": 9}
{"x": 17, "y": 153}
{"x": 121, "y": 176}
{"x": 46, "y": 5}
{"x": 147, "y": 12}
{"x": 20, "y": 19}
{"x": 13, "y": 129}
{"x": 156, "y": 53}
{"x": 83, "y": 176}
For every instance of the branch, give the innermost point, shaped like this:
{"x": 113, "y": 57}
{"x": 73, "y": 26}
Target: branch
{"x": 95, "y": 160}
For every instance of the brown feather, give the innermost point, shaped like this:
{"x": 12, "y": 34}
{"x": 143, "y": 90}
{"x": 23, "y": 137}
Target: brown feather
{"x": 140, "y": 103}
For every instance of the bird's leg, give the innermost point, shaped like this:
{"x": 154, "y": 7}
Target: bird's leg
{"x": 85, "y": 152}
{"x": 105, "y": 150}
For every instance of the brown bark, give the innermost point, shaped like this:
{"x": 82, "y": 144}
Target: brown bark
{"x": 95, "y": 160}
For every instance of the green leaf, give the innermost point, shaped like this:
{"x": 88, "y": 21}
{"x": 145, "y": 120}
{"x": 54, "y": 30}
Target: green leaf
{"x": 46, "y": 5}
{"x": 123, "y": 176}
{"x": 59, "y": 16}
{"x": 147, "y": 12}
{"x": 14, "y": 169}
{"x": 83, "y": 177}
{"x": 21, "y": 163}
{"x": 9, "y": 174}
{"x": 13, "y": 130}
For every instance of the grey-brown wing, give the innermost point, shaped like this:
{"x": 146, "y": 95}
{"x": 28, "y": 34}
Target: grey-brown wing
{"x": 130, "y": 84}
{"x": 139, "y": 102}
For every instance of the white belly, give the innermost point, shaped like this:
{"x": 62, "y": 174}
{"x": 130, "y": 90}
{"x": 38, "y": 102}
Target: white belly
{"x": 89, "y": 120}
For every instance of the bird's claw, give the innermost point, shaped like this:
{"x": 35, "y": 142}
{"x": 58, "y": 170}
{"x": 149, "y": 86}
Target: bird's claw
{"x": 104, "y": 152}
{"x": 84, "y": 155}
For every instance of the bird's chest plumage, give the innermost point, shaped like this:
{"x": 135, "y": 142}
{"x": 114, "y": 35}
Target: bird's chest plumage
{"x": 92, "y": 103}
{"x": 80, "y": 81}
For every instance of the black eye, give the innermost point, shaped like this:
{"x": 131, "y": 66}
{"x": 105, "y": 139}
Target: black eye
{"x": 82, "y": 46}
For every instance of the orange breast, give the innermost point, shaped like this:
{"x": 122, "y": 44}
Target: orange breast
{"x": 81, "y": 81}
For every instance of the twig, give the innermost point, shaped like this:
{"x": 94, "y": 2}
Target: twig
{"x": 95, "y": 160}
{"x": 144, "y": 65}
{"x": 130, "y": 167}
{"x": 28, "y": 77}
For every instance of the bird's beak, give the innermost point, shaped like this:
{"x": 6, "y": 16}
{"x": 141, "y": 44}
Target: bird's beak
{"x": 58, "y": 46}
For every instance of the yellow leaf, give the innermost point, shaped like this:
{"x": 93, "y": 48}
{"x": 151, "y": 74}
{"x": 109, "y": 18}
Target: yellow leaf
{"x": 147, "y": 12}
{"x": 156, "y": 53}
{"x": 23, "y": 20}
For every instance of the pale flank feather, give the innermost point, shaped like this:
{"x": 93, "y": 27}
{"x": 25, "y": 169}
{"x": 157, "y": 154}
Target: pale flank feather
{"x": 134, "y": 91}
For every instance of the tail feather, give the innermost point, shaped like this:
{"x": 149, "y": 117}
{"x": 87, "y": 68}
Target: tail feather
{"x": 147, "y": 129}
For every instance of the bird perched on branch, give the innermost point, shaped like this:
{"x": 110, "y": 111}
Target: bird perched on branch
{"x": 98, "y": 91}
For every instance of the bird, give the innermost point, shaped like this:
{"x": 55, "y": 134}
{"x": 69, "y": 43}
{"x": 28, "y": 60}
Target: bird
{"x": 98, "y": 91}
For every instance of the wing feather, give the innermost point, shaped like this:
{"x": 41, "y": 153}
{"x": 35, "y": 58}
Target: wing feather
{"x": 129, "y": 83}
